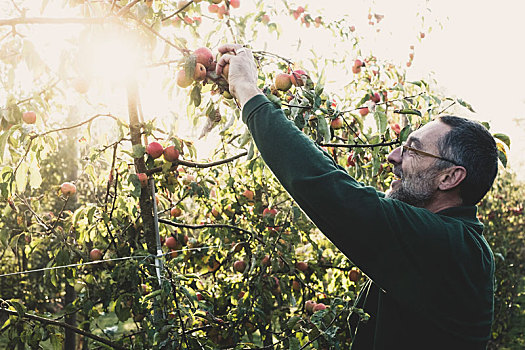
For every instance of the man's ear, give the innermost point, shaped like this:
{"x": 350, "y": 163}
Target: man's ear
{"x": 451, "y": 178}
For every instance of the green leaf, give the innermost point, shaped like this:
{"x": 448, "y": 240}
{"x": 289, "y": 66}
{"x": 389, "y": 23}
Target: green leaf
{"x": 502, "y": 154}
{"x": 486, "y": 125}
{"x": 196, "y": 95}
{"x": 324, "y": 130}
{"x": 3, "y": 142}
{"x": 466, "y": 104}
{"x": 408, "y": 111}
{"x": 403, "y": 135}
{"x": 381, "y": 121}
{"x": 138, "y": 151}
{"x": 189, "y": 65}
{"x": 503, "y": 138}
{"x": 21, "y": 177}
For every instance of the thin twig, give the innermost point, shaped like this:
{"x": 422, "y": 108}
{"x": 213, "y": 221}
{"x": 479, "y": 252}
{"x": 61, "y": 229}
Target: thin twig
{"x": 391, "y": 143}
{"x": 65, "y": 325}
{"x": 195, "y": 164}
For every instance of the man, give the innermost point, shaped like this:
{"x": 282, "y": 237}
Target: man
{"x": 431, "y": 271}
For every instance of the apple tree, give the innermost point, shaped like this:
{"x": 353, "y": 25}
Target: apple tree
{"x": 118, "y": 233}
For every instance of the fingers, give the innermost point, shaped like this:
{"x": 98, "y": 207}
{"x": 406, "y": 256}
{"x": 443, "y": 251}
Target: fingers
{"x": 229, "y": 48}
{"x": 224, "y": 60}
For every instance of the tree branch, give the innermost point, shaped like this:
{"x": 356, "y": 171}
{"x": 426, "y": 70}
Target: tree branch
{"x": 391, "y": 143}
{"x": 46, "y": 20}
{"x": 65, "y": 325}
{"x": 195, "y": 164}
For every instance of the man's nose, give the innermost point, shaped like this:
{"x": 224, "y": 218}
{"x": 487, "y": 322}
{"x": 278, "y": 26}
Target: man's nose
{"x": 395, "y": 156}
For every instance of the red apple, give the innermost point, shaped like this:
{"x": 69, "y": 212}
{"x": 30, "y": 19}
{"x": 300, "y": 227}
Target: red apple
{"x": 248, "y": 194}
{"x": 175, "y": 212}
{"x": 182, "y": 80}
{"x": 296, "y": 285}
{"x": 200, "y": 72}
{"x": 199, "y": 296}
{"x": 396, "y": 129}
{"x": 271, "y": 213}
{"x": 283, "y": 81}
{"x": 143, "y": 178}
{"x": 204, "y": 55}
{"x": 239, "y": 266}
{"x": 351, "y": 160}
{"x": 235, "y": 3}
{"x": 171, "y": 242}
{"x": 265, "y": 19}
{"x": 265, "y": 261}
{"x": 301, "y": 266}
{"x": 68, "y": 189}
{"x": 363, "y": 111}
{"x": 29, "y": 117}
{"x": 309, "y": 306}
{"x": 337, "y": 123}
{"x": 352, "y": 29}
{"x": 375, "y": 97}
{"x": 154, "y": 149}
{"x": 319, "y": 307}
{"x": 171, "y": 154}
{"x": 213, "y": 8}
{"x": 298, "y": 77}
{"x": 95, "y": 254}
{"x": 358, "y": 63}
{"x": 354, "y": 275}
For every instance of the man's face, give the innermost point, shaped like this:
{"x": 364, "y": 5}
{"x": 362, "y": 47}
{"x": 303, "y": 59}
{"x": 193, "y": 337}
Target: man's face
{"x": 416, "y": 182}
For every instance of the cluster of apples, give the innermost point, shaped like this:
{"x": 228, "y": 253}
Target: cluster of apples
{"x": 284, "y": 81}
{"x": 306, "y": 19}
{"x": 312, "y": 307}
{"x": 223, "y": 9}
{"x": 155, "y": 150}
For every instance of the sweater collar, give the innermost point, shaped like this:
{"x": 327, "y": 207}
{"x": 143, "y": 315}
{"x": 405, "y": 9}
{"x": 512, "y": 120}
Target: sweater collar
{"x": 466, "y": 213}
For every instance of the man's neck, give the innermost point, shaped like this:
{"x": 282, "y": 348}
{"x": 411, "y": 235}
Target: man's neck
{"x": 443, "y": 202}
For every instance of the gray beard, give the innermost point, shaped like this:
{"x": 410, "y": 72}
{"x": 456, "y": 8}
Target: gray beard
{"x": 416, "y": 190}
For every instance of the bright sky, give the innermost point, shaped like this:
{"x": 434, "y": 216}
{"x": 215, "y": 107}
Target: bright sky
{"x": 474, "y": 51}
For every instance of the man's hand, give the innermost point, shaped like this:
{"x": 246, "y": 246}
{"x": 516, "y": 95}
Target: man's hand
{"x": 242, "y": 75}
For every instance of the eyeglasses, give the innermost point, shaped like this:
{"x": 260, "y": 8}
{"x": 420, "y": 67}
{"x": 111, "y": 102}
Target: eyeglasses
{"x": 423, "y": 153}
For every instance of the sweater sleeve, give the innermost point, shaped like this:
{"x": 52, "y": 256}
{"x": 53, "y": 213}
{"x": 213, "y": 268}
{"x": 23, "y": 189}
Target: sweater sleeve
{"x": 395, "y": 244}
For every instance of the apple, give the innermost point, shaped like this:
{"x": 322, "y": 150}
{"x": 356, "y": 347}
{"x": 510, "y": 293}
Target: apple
{"x": 154, "y": 149}
{"x": 358, "y": 63}
{"x": 356, "y": 70}
{"x": 235, "y": 3}
{"x": 200, "y": 72}
{"x": 226, "y": 71}
{"x": 175, "y": 212}
{"x": 144, "y": 289}
{"x": 199, "y": 296}
{"x": 422, "y": 35}
{"x": 375, "y": 97}
{"x": 188, "y": 179}
{"x": 396, "y": 129}
{"x": 354, "y": 275}
{"x": 363, "y": 111}
{"x": 351, "y": 160}
{"x": 411, "y": 55}
{"x": 309, "y": 306}
{"x": 265, "y": 261}
{"x": 204, "y": 55}
{"x": 68, "y": 189}
{"x": 215, "y": 212}
{"x": 283, "y": 81}
{"x": 222, "y": 11}
{"x": 248, "y": 194}
{"x": 296, "y": 14}
{"x": 411, "y": 47}
{"x": 182, "y": 80}
{"x": 95, "y": 254}
{"x": 143, "y": 178}
{"x": 171, "y": 242}
{"x": 352, "y": 29}
{"x": 171, "y": 154}
{"x": 409, "y": 64}
{"x": 276, "y": 287}
{"x": 213, "y": 8}
{"x": 29, "y": 117}
{"x": 300, "y": 9}
{"x": 269, "y": 213}
{"x": 298, "y": 77}
{"x": 319, "y": 307}
{"x": 337, "y": 123}
{"x": 265, "y": 19}
{"x": 301, "y": 266}
{"x": 296, "y": 285}
{"x": 81, "y": 85}
{"x": 239, "y": 266}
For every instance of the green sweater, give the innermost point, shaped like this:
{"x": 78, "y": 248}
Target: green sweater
{"x": 432, "y": 274}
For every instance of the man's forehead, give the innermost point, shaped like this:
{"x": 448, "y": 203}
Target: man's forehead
{"x": 429, "y": 133}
